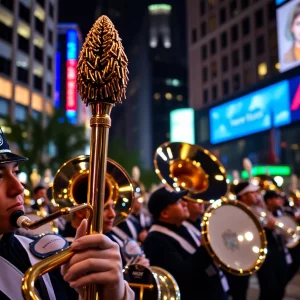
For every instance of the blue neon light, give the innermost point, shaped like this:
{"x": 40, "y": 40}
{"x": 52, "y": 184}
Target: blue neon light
{"x": 72, "y": 44}
{"x": 57, "y": 81}
{"x": 71, "y": 115}
{"x": 251, "y": 113}
{"x": 278, "y": 2}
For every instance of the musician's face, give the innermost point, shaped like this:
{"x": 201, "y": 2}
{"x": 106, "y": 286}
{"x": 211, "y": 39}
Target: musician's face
{"x": 295, "y": 28}
{"x": 195, "y": 209}
{"x": 176, "y": 213}
{"x": 250, "y": 198}
{"x": 274, "y": 203}
{"x": 108, "y": 216}
{"x": 11, "y": 195}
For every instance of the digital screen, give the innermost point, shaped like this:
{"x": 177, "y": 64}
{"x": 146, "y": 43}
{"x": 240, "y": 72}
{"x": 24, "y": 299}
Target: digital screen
{"x": 295, "y": 98}
{"x": 288, "y": 35}
{"x": 251, "y": 113}
{"x": 182, "y": 124}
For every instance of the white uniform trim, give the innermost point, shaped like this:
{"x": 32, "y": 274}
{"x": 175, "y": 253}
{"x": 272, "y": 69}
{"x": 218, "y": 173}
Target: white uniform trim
{"x": 183, "y": 243}
{"x": 193, "y": 231}
{"x": 33, "y": 260}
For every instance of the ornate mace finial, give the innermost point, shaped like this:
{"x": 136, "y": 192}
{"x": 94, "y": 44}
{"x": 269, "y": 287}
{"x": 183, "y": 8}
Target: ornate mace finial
{"x": 102, "y": 73}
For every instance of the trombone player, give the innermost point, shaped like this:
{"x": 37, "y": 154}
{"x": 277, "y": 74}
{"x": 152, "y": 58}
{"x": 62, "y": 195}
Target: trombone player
{"x": 96, "y": 259}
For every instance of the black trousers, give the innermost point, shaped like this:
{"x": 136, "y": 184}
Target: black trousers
{"x": 272, "y": 276}
{"x": 295, "y": 265}
{"x": 238, "y": 286}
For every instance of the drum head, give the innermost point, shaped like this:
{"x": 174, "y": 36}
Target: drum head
{"x": 234, "y": 237}
{"x": 47, "y": 228}
{"x": 289, "y": 222}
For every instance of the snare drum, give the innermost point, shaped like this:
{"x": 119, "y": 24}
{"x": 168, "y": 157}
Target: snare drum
{"x": 234, "y": 237}
{"x": 47, "y": 228}
{"x": 151, "y": 283}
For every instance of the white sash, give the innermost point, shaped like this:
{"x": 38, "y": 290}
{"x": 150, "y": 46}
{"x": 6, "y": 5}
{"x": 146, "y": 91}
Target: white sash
{"x": 10, "y": 279}
{"x": 142, "y": 220}
{"x": 183, "y": 243}
{"x": 190, "y": 249}
{"x": 33, "y": 260}
{"x": 120, "y": 233}
{"x": 193, "y": 231}
{"x": 131, "y": 229}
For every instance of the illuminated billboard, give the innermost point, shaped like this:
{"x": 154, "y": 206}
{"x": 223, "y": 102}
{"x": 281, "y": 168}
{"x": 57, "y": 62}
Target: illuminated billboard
{"x": 71, "y": 88}
{"x": 253, "y": 112}
{"x": 288, "y": 35}
{"x": 182, "y": 124}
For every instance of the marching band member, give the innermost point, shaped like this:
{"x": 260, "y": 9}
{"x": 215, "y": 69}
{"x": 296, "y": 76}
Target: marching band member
{"x": 170, "y": 247}
{"x": 16, "y": 256}
{"x": 129, "y": 248}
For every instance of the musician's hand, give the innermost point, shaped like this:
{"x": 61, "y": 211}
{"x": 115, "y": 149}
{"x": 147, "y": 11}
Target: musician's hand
{"x": 143, "y": 261}
{"x": 271, "y": 223}
{"x": 96, "y": 261}
{"x": 142, "y": 235}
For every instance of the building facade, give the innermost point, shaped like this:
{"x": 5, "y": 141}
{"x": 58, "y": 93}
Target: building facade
{"x": 27, "y": 58}
{"x": 232, "y": 45}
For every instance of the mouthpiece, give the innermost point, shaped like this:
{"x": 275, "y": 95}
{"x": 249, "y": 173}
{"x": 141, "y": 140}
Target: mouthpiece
{"x": 17, "y": 217}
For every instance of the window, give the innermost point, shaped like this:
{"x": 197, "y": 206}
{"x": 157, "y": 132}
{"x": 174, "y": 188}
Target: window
{"x": 39, "y": 25}
{"x": 205, "y": 96}
{"x": 214, "y": 92}
{"x": 224, "y": 62}
{"x": 225, "y": 86}
{"x": 38, "y": 54}
{"x": 211, "y": 4}
{"x": 8, "y": 4}
{"x": 212, "y": 24}
{"x": 259, "y": 18}
{"x": 20, "y": 112}
{"x": 273, "y": 39}
{"x": 245, "y": 3}
{"x": 41, "y": 2}
{"x": 204, "y": 52}
{"x": 222, "y": 15}
{"x": 245, "y": 26}
{"x": 204, "y": 74}
{"x": 236, "y": 82}
{"x": 4, "y": 107}
{"x": 5, "y": 32}
{"x": 22, "y": 75}
{"x": 5, "y": 66}
{"x": 262, "y": 70}
{"x": 37, "y": 82}
{"x": 234, "y": 33}
{"x": 247, "y": 52}
{"x": 51, "y": 10}
{"x": 213, "y": 68}
{"x": 202, "y": 7}
{"x": 235, "y": 58}
{"x": 271, "y": 10}
{"x": 49, "y": 90}
{"x": 233, "y": 8}
{"x": 24, "y": 12}
{"x": 203, "y": 29}
{"x": 49, "y": 63}
{"x": 50, "y": 36}
{"x": 23, "y": 44}
{"x": 224, "y": 40}
{"x": 213, "y": 46}
{"x": 194, "y": 35}
{"x": 260, "y": 45}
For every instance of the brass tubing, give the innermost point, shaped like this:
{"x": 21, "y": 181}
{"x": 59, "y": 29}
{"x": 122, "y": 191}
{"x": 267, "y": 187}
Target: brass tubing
{"x": 62, "y": 212}
{"x": 53, "y": 261}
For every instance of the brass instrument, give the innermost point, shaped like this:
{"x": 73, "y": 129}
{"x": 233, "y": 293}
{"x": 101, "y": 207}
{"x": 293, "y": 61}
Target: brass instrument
{"x": 102, "y": 77}
{"x": 70, "y": 185}
{"x": 182, "y": 166}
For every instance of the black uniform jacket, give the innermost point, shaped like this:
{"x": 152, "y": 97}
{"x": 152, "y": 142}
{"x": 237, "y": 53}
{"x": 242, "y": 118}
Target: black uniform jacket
{"x": 195, "y": 273}
{"x": 12, "y": 250}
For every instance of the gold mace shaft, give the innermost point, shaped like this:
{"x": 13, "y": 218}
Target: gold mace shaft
{"x": 100, "y": 123}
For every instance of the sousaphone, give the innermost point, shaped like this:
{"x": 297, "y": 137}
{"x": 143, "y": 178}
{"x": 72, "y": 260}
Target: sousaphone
{"x": 232, "y": 234}
{"x": 182, "y": 166}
